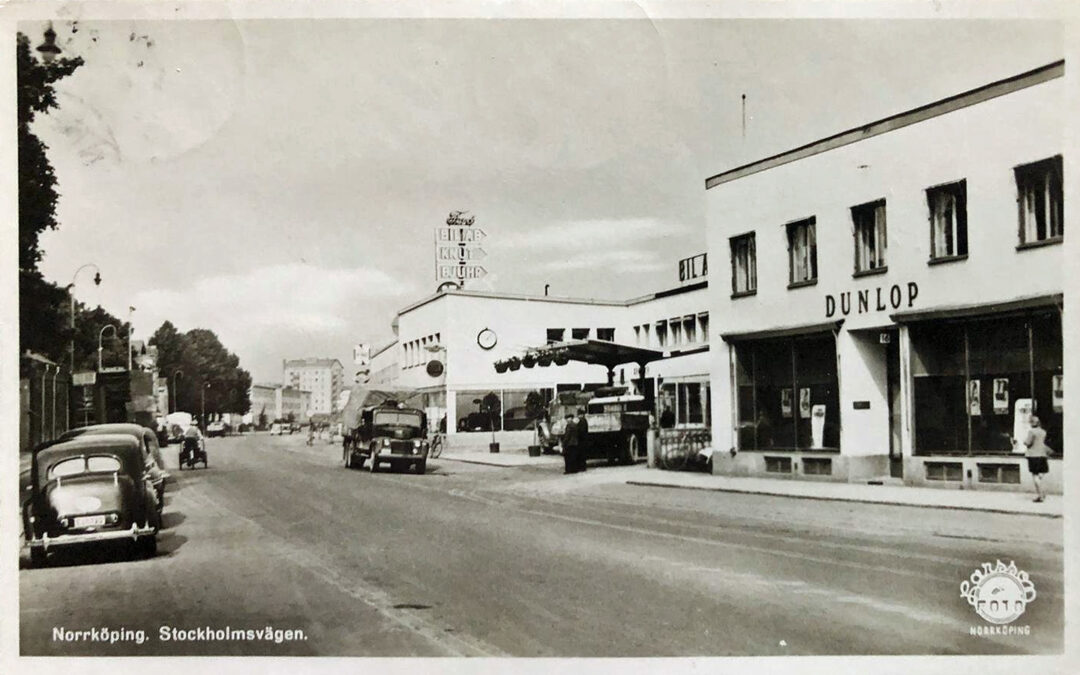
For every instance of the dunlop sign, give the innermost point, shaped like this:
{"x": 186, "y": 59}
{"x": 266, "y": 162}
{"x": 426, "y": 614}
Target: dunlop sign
{"x": 457, "y": 249}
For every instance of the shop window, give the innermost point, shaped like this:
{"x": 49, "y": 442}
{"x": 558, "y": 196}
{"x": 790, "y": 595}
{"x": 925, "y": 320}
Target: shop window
{"x": 579, "y": 333}
{"x": 555, "y": 334}
{"x": 607, "y": 334}
{"x": 999, "y": 473}
{"x": 802, "y": 252}
{"x": 817, "y": 466}
{"x": 690, "y": 329}
{"x": 969, "y": 375}
{"x": 948, "y": 220}
{"x": 870, "y": 237}
{"x": 661, "y": 333}
{"x": 1040, "y": 200}
{"x": 945, "y": 471}
{"x": 780, "y": 384}
{"x": 743, "y": 264}
{"x": 479, "y": 411}
{"x": 777, "y": 464}
{"x": 522, "y": 407}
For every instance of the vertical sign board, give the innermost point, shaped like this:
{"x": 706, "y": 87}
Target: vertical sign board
{"x": 457, "y": 250}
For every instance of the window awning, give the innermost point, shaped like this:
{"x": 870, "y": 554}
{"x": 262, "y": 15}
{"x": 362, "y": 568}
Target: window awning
{"x": 787, "y": 331}
{"x": 961, "y": 311}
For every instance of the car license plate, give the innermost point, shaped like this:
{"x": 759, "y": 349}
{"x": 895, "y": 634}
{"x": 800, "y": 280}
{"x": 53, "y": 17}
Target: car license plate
{"x": 89, "y": 521}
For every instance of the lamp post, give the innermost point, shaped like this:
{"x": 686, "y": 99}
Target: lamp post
{"x": 48, "y": 49}
{"x": 71, "y": 294}
{"x": 131, "y": 310}
{"x": 175, "y": 403}
{"x": 202, "y": 403}
{"x": 101, "y": 334}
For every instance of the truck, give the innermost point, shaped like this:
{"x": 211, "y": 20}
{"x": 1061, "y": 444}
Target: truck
{"x": 618, "y": 423}
{"x": 383, "y": 428}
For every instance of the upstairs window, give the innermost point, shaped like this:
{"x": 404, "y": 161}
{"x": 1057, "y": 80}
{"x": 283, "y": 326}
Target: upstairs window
{"x": 637, "y": 335}
{"x": 605, "y": 334}
{"x": 690, "y": 329}
{"x": 703, "y": 324}
{"x": 1040, "y": 200}
{"x": 743, "y": 265}
{"x": 802, "y": 252}
{"x": 661, "y": 333}
{"x": 579, "y": 333}
{"x": 676, "y": 332}
{"x": 948, "y": 220}
{"x": 555, "y": 334}
{"x": 870, "y": 237}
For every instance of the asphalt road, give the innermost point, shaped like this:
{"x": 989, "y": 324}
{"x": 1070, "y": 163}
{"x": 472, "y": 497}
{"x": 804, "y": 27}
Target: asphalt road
{"x": 472, "y": 560}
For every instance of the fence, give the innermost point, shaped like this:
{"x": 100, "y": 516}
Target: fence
{"x": 679, "y": 448}
{"x": 43, "y": 400}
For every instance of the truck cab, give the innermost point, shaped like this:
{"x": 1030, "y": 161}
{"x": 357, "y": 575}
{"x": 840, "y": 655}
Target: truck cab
{"x": 388, "y": 433}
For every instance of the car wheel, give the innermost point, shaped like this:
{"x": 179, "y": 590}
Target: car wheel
{"x": 38, "y": 557}
{"x": 146, "y": 547}
{"x": 421, "y": 467}
{"x": 631, "y": 449}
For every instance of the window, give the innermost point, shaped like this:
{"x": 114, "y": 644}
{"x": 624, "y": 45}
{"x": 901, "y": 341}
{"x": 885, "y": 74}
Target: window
{"x": 703, "y": 325}
{"x": 944, "y": 471}
{"x": 743, "y": 265}
{"x": 637, "y": 335}
{"x": 676, "y": 332}
{"x": 817, "y": 466}
{"x": 579, "y": 333}
{"x": 948, "y": 220}
{"x": 555, "y": 334}
{"x": 690, "y": 329}
{"x": 870, "y": 237}
{"x": 778, "y": 464}
{"x": 1040, "y": 201}
{"x": 645, "y": 330}
{"x": 802, "y": 252}
{"x": 999, "y": 473}
{"x": 605, "y": 334}
{"x": 661, "y": 333}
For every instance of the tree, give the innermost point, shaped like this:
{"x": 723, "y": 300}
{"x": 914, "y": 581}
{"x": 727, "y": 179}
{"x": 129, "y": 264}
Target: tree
{"x": 203, "y": 360}
{"x": 37, "y": 182}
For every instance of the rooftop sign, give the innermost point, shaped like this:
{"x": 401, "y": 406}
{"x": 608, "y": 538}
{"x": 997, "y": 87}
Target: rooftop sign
{"x": 457, "y": 249}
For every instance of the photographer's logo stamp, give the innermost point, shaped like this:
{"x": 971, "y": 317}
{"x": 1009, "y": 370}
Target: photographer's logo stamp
{"x": 999, "y": 593}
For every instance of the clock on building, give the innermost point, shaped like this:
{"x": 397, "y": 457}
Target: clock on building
{"x": 486, "y": 338}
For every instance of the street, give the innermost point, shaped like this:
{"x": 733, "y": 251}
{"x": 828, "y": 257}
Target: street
{"x": 473, "y": 560}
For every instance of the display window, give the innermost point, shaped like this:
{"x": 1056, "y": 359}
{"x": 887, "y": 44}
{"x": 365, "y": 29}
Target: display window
{"x": 788, "y": 394}
{"x": 971, "y": 376}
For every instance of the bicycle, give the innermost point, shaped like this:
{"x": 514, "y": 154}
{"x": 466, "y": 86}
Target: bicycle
{"x": 435, "y": 448}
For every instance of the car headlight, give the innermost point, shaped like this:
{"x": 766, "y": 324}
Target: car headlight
{"x": 386, "y": 442}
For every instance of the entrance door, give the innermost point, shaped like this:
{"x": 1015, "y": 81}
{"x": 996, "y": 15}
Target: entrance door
{"x": 892, "y": 368}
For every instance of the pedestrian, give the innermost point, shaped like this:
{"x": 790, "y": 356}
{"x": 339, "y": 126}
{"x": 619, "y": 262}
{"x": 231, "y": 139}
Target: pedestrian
{"x": 583, "y": 440}
{"x": 667, "y": 418}
{"x": 570, "y": 444}
{"x": 1036, "y": 454}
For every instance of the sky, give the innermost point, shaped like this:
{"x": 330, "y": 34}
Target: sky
{"x": 279, "y": 181}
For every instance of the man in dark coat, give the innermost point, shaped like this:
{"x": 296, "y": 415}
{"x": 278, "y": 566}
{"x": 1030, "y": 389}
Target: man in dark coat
{"x": 570, "y": 445}
{"x": 583, "y": 440}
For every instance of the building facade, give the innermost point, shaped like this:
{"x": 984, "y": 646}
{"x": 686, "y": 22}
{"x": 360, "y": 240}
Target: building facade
{"x": 273, "y": 402}
{"x": 322, "y": 377}
{"x": 895, "y": 305}
{"x": 448, "y": 344}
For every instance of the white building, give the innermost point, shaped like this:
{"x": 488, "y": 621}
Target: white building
{"x": 321, "y": 377}
{"x": 272, "y": 402}
{"x": 896, "y": 293}
{"x": 449, "y": 342}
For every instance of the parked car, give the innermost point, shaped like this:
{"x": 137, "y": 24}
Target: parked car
{"x": 216, "y": 429}
{"x": 155, "y": 465}
{"x": 90, "y": 490}
{"x": 278, "y": 429}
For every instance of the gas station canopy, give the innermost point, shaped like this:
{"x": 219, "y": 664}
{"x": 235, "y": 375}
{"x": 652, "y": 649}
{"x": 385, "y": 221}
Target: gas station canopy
{"x": 604, "y": 353}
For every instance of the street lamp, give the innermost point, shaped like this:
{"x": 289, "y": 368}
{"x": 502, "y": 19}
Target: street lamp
{"x": 49, "y": 50}
{"x": 202, "y": 403}
{"x": 131, "y": 310}
{"x": 101, "y": 333}
{"x": 71, "y": 294}
{"x": 176, "y": 373}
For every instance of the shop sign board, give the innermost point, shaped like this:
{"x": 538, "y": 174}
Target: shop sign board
{"x": 694, "y": 267}
{"x": 786, "y": 396}
{"x": 1058, "y": 386}
{"x": 83, "y": 379}
{"x": 817, "y": 425}
{"x": 869, "y": 300}
{"x": 804, "y": 403}
{"x": 974, "y": 398}
{"x": 1001, "y": 396}
{"x": 457, "y": 249}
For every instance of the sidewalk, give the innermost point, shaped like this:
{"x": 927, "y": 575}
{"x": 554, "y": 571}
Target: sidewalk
{"x": 507, "y": 458}
{"x": 971, "y": 500}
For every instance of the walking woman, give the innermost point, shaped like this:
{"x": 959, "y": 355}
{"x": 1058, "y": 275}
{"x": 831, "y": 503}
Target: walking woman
{"x": 1036, "y": 454}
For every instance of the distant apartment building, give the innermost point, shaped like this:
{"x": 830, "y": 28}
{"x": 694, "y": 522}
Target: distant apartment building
{"x": 321, "y": 377}
{"x": 277, "y": 402}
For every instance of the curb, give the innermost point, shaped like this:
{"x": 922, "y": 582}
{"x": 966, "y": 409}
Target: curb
{"x": 843, "y": 499}
{"x": 480, "y": 461}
